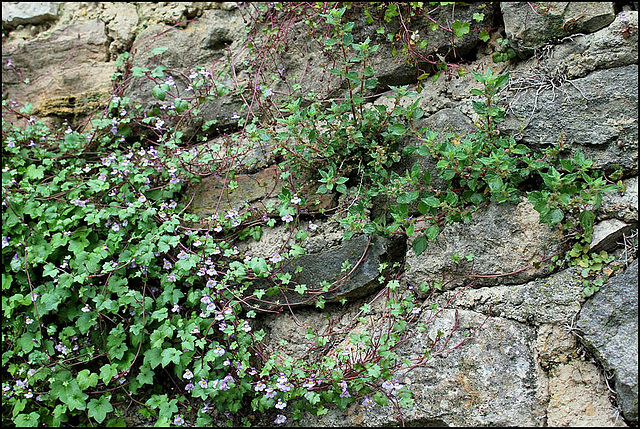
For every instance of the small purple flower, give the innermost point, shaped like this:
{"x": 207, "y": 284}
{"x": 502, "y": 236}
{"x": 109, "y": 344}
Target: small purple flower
{"x": 296, "y": 200}
{"x": 287, "y": 218}
{"x": 189, "y": 387}
{"x": 188, "y": 375}
{"x": 178, "y": 421}
{"x": 260, "y": 386}
{"x": 275, "y": 258}
{"x": 268, "y": 92}
{"x": 269, "y": 392}
{"x": 367, "y": 401}
{"x": 183, "y": 255}
{"x": 171, "y": 277}
{"x": 280, "y": 405}
{"x": 203, "y": 383}
{"x": 280, "y": 419}
{"x": 167, "y": 265}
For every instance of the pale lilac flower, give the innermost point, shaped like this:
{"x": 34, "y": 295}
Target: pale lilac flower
{"x": 175, "y": 308}
{"x": 296, "y": 200}
{"x": 159, "y": 124}
{"x": 167, "y": 265}
{"x": 28, "y": 320}
{"x": 188, "y": 375}
{"x": 5, "y": 242}
{"x": 367, "y": 401}
{"x": 387, "y": 385}
{"x": 280, "y": 405}
{"x": 212, "y": 271}
{"x": 171, "y": 277}
{"x": 195, "y": 330}
{"x": 115, "y": 227}
{"x": 269, "y": 392}
{"x": 246, "y": 327}
{"x": 280, "y": 419}
{"x": 211, "y": 283}
{"x": 268, "y": 92}
{"x": 197, "y": 243}
{"x": 309, "y": 384}
{"x": 142, "y": 198}
{"x": 203, "y": 383}
{"x": 218, "y": 228}
{"x": 205, "y": 299}
{"x": 218, "y": 315}
{"x": 312, "y": 226}
{"x": 189, "y": 387}
{"x": 287, "y": 218}
{"x": 86, "y": 308}
{"x": 211, "y": 307}
{"x": 183, "y": 255}
{"x": 275, "y": 258}
{"x": 178, "y": 421}
{"x": 260, "y": 386}
{"x": 219, "y": 351}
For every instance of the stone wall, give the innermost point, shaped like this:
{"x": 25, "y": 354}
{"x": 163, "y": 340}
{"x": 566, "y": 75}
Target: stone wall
{"x": 546, "y": 355}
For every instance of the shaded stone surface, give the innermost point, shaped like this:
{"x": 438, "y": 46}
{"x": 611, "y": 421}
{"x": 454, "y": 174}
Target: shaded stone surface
{"x": 364, "y": 254}
{"x": 609, "y": 323}
{"x": 67, "y": 70}
{"x": 607, "y": 233}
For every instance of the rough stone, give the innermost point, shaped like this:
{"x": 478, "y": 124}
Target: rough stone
{"x": 121, "y": 20}
{"x": 213, "y": 196}
{"x": 578, "y": 396}
{"x": 621, "y": 206}
{"x": 202, "y": 43}
{"x": 531, "y": 26}
{"x": 67, "y": 70}
{"x": 490, "y": 381}
{"x": 23, "y": 13}
{"x": 364, "y": 253}
{"x": 503, "y": 239}
{"x": 607, "y": 233}
{"x": 609, "y": 325}
{"x": 552, "y": 300}
{"x": 599, "y": 117}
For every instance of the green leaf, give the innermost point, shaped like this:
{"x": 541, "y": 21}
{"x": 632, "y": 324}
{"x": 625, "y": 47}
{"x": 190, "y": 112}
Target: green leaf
{"x": 170, "y": 355}
{"x": 158, "y": 51}
{"x": 502, "y": 80}
{"x": 432, "y": 232}
{"x": 107, "y": 372}
{"x": 139, "y": 71}
{"x": 586, "y": 219}
{"x": 408, "y": 197}
{"x": 397, "y": 129}
{"x": 99, "y": 408}
{"x": 87, "y": 379}
{"x": 27, "y": 420}
{"x": 420, "y": 245}
{"x": 461, "y": 28}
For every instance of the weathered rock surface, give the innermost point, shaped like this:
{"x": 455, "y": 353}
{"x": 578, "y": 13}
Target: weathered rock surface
{"x": 609, "y": 323}
{"x": 503, "y": 239}
{"x": 17, "y": 13}
{"x": 530, "y": 26}
{"x": 79, "y": 50}
{"x": 599, "y": 117}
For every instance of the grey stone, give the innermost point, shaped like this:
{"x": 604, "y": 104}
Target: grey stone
{"x": 607, "y": 233}
{"x": 503, "y": 239}
{"x": 609, "y": 325}
{"x": 552, "y": 300}
{"x": 21, "y": 13}
{"x": 599, "y": 116}
{"x": 607, "y": 48}
{"x": 530, "y": 26}
{"x": 364, "y": 253}
{"x": 492, "y": 380}
{"x": 622, "y": 206}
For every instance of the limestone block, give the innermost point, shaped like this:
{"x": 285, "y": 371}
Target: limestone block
{"x": 17, "y": 13}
